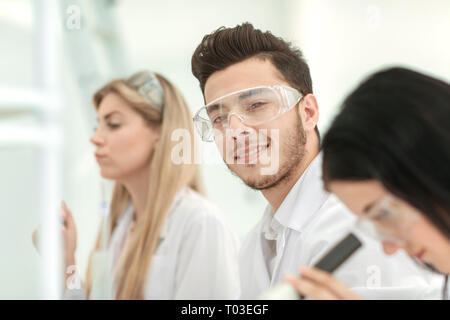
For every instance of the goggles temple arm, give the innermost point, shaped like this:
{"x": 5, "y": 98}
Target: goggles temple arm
{"x": 291, "y": 96}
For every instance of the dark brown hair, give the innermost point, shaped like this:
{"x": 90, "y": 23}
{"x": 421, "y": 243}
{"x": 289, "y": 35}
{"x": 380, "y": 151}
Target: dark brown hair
{"x": 227, "y": 46}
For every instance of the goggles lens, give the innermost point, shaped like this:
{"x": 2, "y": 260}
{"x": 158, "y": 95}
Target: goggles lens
{"x": 385, "y": 221}
{"x": 252, "y": 106}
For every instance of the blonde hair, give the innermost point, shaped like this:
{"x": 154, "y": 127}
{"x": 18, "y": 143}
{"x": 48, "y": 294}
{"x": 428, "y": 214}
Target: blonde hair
{"x": 166, "y": 180}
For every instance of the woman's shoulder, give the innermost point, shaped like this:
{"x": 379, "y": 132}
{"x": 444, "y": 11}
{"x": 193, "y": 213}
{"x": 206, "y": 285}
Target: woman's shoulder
{"x": 196, "y": 208}
{"x": 193, "y": 200}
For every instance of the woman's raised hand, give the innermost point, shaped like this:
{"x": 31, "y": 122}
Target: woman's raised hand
{"x": 320, "y": 285}
{"x": 69, "y": 235}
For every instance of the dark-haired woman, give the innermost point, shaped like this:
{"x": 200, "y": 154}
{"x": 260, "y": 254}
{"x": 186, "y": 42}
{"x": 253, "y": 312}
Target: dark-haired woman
{"x": 387, "y": 157}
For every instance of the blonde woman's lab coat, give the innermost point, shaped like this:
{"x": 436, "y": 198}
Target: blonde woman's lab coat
{"x": 196, "y": 257}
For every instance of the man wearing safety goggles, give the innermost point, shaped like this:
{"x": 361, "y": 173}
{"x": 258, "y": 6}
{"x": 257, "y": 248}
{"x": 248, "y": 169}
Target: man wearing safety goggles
{"x": 261, "y": 113}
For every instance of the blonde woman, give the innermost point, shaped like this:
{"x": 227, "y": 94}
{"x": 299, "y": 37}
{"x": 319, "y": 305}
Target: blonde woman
{"x": 165, "y": 240}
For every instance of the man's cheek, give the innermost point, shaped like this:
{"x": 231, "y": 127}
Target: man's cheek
{"x": 225, "y": 150}
{"x": 270, "y": 158}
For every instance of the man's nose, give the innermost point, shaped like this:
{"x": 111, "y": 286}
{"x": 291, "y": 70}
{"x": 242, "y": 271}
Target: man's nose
{"x": 237, "y": 126}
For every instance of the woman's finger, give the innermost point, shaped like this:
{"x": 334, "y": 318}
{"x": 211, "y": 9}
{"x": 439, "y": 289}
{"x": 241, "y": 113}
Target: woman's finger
{"x": 68, "y": 219}
{"x": 35, "y": 238}
{"x": 63, "y": 221}
{"x": 311, "y": 289}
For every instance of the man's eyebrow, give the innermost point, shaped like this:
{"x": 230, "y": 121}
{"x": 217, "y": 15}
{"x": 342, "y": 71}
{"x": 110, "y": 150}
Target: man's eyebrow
{"x": 242, "y": 96}
{"x": 246, "y": 94}
{"x": 212, "y": 108}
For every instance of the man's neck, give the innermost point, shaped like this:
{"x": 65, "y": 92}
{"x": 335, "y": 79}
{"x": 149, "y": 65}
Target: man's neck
{"x": 276, "y": 195}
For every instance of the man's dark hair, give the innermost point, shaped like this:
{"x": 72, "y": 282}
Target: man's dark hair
{"x": 227, "y": 46}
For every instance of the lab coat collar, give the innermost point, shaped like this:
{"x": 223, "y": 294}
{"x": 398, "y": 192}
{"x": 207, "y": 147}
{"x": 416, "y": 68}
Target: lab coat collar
{"x": 304, "y": 199}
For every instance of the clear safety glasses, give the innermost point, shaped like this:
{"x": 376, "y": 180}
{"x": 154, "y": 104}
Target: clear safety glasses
{"x": 386, "y": 222}
{"x": 252, "y": 106}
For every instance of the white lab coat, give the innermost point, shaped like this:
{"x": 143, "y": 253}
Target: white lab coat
{"x": 196, "y": 257}
{"x": 307, "y": 224}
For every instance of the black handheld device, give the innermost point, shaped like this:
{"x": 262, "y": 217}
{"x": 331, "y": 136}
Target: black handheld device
{"x": 338, "y": 254}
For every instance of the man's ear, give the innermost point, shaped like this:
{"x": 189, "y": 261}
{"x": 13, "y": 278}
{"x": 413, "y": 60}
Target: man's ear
{"x": 309, "y": 111}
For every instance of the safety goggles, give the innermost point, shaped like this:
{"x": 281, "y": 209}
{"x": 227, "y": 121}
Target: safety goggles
{"x": 386, "y": 222}
{"x": 252, "y": 106}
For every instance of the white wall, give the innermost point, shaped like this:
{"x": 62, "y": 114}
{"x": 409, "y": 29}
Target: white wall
{"x": 346, "y": 40}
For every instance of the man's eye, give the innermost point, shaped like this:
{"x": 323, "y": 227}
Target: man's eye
{"x": 219, "y": 119}
{"x": 255, "y": 105}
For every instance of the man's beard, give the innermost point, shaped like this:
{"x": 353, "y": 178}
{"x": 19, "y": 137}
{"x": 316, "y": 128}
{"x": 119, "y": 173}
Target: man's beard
{"x": 293, "y": 152}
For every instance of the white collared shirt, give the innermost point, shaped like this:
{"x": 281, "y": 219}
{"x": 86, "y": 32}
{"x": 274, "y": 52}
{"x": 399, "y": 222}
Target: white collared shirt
{"x": 196, "y": 257}
{"x": 308, "y": 223}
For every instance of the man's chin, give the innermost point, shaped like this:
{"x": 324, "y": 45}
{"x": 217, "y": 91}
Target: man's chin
{"x": 264, "y": 183}
{"x": 255, "y": 180}
{"x": 247, "y": 169}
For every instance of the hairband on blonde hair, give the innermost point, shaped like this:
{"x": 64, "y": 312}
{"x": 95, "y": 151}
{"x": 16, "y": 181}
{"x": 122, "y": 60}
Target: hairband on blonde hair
{"x": 148, "y": 85}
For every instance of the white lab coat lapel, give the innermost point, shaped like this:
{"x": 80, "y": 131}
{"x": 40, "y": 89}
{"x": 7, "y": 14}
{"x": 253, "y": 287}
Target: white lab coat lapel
{"x": 304, "y": 199}
{"x": 259, "y": 258}
{"x": 279, "y": 258}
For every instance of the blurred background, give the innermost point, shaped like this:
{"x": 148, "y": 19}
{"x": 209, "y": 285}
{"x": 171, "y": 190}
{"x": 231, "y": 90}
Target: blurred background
{"x": 55, "y": 54}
